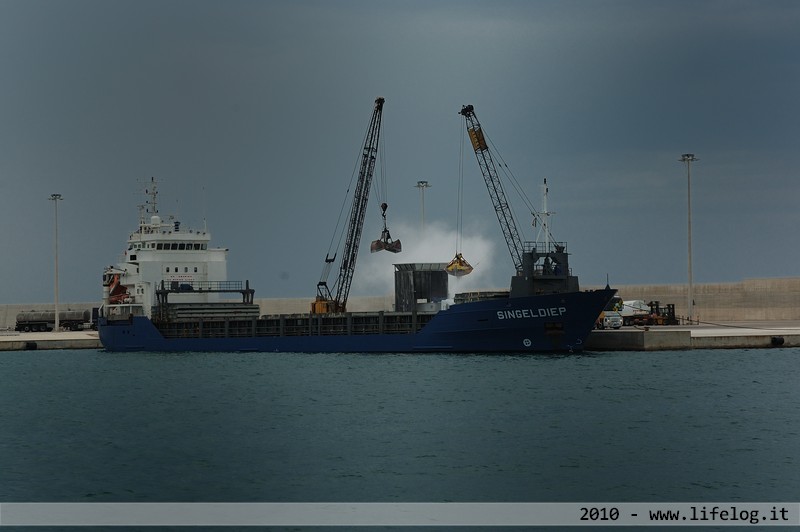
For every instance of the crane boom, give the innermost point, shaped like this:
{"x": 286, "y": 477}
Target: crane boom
{"x": 494, "y": 186}
{"x": 325, "y": 302}
{"x": 541, "y": 268}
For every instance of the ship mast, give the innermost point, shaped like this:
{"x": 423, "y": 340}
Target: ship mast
{"x": 150, "y": 206}
{"x": 544, "y": 234}
{"x": 153, "y": 193}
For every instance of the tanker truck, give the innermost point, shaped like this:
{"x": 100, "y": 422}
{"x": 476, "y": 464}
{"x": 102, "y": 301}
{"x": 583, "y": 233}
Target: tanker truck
{"x": 45, "y": 320}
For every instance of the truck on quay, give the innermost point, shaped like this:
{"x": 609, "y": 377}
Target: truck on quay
{"x": 45, "y": 320}
{"x": 634, "y": 311}
{"x": 611, "y": 317}
{"x": 637, "y": 312}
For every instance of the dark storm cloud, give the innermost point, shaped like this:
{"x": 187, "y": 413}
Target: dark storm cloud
{"x": 252, "y": 113}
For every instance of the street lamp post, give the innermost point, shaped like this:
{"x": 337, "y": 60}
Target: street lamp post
{"x": 55, "y": 198}
{"x": 422, "y": 185}
{"x": 689, "y": 158}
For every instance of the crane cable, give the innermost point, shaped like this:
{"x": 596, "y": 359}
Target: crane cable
{"x": 339, "y": 229}
{"x": 460, "y": 194}
{"x": 458, "y": 266}
{"x": 537, "y": 217}
{"x": 380, "y": 186}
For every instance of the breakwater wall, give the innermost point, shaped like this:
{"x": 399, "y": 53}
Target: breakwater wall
{"x": 748, "y": 300}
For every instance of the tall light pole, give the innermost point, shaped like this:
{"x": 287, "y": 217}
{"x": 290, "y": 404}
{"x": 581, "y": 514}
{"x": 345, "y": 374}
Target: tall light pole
{"x": 55, "y": 198}
{"x": 689, "y": 158}
{"x": 422, "y": 185}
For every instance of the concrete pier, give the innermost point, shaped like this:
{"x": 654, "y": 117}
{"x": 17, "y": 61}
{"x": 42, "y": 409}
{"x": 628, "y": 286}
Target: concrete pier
{"x": 728, "y": 335}
{"x": 14, "y": 341}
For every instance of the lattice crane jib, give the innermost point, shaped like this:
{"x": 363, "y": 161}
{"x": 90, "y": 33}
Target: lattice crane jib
{"x": 326, "y": 301}
{"x": 494, "y": 186}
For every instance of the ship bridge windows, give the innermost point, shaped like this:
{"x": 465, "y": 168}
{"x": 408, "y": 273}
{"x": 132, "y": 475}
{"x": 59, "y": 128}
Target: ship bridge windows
{"x": 179, "y": 246}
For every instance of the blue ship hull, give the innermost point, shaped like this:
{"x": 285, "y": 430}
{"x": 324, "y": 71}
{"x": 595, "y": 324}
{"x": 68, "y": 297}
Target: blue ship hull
{"x": 542, "y": 323}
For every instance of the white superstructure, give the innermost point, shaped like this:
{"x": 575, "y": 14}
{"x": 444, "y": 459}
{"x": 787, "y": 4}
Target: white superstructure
{"x": 162, "y": 252}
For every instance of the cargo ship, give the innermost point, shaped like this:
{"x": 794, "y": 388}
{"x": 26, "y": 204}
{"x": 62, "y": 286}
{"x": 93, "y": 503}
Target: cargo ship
{"x": 162, "y": 298}
{"x": 171, "y": 293}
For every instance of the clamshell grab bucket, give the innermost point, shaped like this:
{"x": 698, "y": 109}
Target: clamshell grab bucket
{"x": 393, "y": 246}
{"x": 458, "y": 267}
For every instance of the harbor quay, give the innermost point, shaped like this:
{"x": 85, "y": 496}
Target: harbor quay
{"x": 754, "y": 313}
{"x": 728, "y": 335}
{"x": 34, "y": 341}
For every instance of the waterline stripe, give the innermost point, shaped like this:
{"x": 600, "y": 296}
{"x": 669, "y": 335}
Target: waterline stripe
{"x": 782, "y": 514}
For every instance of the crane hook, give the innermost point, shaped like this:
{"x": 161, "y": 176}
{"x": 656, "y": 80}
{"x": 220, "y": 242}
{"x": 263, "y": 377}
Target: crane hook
{"x": 385, "y": 241}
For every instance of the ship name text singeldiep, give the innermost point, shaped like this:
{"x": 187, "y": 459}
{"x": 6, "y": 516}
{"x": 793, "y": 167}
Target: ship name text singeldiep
{"x": 531, "y": 313}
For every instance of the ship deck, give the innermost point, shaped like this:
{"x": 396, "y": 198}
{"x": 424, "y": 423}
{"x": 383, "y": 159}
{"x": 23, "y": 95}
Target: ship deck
{"x": 350, "y": 323}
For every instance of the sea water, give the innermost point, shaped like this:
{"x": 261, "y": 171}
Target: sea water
{"x": 92, "y": 426}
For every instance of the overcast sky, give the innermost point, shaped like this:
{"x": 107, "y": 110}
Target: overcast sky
{"x": 252, "y": 115}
